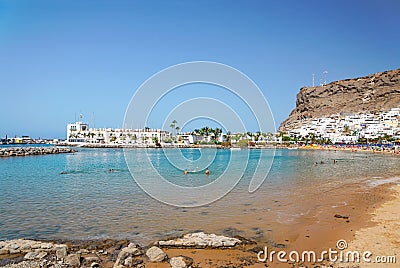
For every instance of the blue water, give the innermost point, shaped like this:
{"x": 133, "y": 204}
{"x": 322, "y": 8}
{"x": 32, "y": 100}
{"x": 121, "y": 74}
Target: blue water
{"x": 90, "y": 202}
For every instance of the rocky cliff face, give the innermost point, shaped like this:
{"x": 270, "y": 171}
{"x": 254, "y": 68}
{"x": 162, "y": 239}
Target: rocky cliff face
{"x": 368, "y": 94}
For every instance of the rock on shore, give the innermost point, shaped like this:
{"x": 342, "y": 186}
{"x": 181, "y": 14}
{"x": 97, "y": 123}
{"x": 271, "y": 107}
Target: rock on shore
{"x": 201, "y": 240}
{"x": 25, "y": 151}
{"x": 21, "y": 253}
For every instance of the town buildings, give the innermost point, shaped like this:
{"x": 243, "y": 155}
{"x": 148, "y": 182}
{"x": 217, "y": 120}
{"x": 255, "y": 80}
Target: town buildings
{"x": 349, "y": 128}
{"x": 80, "y": 132}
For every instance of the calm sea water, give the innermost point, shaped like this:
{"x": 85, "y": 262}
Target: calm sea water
{"x": 89, "y": 202}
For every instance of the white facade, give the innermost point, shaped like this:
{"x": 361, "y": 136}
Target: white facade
{"x": 75, "y": 131}
{"x": 81, "y": 133}
{"x": 190, "y": 138}
{"x": 350, "y": 128}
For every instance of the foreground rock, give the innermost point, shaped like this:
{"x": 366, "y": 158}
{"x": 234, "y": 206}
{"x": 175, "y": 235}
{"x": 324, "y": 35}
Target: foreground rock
{"x": 19, "y": 246}
{"x": 21, "y": 253}
{"x": 128, "y": 257}
{"x": 180, "y": 262}
{"x": 156, "y": 254}
{"x": 201, "y": 240}
{"x": 25, "y": 151}
{"x": 27, "y": 253}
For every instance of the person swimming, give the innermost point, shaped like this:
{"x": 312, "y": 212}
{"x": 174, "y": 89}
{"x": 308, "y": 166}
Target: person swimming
{"x": 185, "y": 172}
{"x": 207, "y": 171}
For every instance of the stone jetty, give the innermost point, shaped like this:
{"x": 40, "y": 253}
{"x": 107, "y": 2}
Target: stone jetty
{"x": 25, "y": 151}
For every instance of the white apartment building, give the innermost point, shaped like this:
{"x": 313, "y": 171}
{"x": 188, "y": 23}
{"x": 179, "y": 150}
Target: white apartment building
{"x": 79, "y": 132}
{"x": 350, "y": 128}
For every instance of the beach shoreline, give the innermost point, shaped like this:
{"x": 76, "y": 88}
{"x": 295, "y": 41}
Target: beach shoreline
{"x": 352, "y": 149}
{"x": 361, "y": 148}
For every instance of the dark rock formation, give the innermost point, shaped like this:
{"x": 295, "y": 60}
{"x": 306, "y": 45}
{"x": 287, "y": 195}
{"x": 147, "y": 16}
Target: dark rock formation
{"x": 25, "y": 151}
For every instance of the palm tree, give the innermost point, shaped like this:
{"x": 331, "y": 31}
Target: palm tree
{"x": 269, "y": 136}
{"x": 155, "y": 140}
{"x": 237, "y": 137}
{"x": 257, "y": 135}
{"x": 228, "y": 136}
{"x": 195, "y": 132}
{"x": 172, "y": 126}
{"x": 177, "y": 129}
{"x": 250, "y": 135}
{"x": 206, "y": 131}
{"x": 312, "y": 137}
{"x": 217, "y": 132}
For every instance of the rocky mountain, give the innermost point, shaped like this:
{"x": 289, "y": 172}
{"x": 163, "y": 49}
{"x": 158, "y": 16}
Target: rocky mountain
{"x": 369, "y": 94}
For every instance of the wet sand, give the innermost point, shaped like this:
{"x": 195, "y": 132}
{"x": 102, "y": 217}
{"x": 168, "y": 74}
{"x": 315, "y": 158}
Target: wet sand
{"x": 382, "y": 237}
{"x": 372, "y": 224}
{"x": 318, "y": 231}
{"x": 344, "y": 213}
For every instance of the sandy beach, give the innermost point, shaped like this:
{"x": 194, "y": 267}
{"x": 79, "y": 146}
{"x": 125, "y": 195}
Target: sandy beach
{"x": 353, "y": 149}
{"x": 369, "y": 221}
{"x": 382, "y": 237}
{"x": 365, "y": 216}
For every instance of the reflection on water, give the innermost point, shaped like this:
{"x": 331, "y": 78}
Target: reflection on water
{"x": 89, "y": 201}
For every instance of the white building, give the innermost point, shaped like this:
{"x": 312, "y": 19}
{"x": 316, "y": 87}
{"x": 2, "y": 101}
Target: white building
{"x": 191, "y": 138}
{"x": 79, "y": 132}
{"x": 75, "y": 130}
{"x": 349, "y": 128}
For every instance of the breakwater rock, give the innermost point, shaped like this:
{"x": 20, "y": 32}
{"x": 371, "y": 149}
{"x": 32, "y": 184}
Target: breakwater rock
{"x": 25, "y": 151}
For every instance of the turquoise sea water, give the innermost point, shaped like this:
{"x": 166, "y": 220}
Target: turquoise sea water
{"x": 89, "y": 202}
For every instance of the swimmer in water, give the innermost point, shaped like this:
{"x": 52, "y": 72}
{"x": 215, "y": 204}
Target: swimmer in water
{"x": 185, "y": 172}
{"x": 207, "y": 172}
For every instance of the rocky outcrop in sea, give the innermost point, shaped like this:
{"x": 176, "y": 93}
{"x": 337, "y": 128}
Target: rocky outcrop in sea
{"x": 26, "y": 151}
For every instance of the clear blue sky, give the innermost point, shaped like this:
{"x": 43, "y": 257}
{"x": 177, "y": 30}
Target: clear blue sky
{"x": 62, "y": 57}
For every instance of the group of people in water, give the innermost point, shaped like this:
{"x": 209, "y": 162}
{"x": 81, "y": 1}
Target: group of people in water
{"x": 186, "y": 171}
{"x": 322, "y": 162}
{"x": 112, "y": 170}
